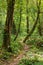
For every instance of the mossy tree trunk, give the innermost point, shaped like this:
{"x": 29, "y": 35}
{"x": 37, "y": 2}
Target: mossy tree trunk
{"x": 19, "y": 26}
{"x": 8, "y": 25}
{"x": 27, "y": 18}
{"x": 14, "y": 31}
{"x": 35, "y": 24}
{"x": 39, "y": 26}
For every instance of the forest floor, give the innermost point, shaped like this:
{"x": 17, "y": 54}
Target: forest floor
{"x": 25, "y": 53}
{"x": 16, "y": 60}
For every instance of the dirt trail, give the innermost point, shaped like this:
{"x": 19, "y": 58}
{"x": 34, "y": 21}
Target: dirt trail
{"x": 17, "y": 59}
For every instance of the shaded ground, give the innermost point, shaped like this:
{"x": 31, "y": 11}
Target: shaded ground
{"x": 25, "y": 53}
{"x": 16, "y": 60}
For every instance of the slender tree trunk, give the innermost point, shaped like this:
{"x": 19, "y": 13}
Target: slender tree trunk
{"x": 39, "y": 26}
{"x": 14, "y": 31}
{"x": 19, "y": 24}
{"x": 27, "y": 16}
{"x": 38, "y": 13}
{"x": 8, "y": 25}
{"x": 42, "y": 28}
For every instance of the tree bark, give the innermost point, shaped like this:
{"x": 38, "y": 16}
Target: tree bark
{"x": 8, "y": 25}
{"x": 38, "y": 13}
{"x": 14, "y": 31}
{"x": 39, "y": 26}
{"x": 19, "y": 24}
{"x": 27, "y": 19}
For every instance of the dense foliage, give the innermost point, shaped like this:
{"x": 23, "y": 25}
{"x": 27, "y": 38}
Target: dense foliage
{"x": 21, "y": 22}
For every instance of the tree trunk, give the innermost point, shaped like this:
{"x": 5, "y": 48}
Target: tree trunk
{"x": 40, "y": 28}
{"x": 8, "y": 26}
{"x": 13, "y": 25}
{"x": 19, "y": 24}
{"x": 38, "y": 13}
{"x": 14, "y": 31}
{"x": 27, "y": 17}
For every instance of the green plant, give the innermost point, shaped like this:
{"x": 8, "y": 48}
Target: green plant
{"x": 25, "y": 62}
{"x": 6, "y": 55}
